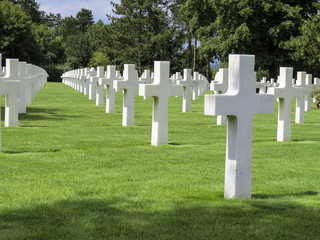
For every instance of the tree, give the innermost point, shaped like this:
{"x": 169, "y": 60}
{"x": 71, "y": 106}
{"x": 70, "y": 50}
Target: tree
{"x": 305, "y": 48}
{"x": 141, "y": 33}
{"x": 257, "y": 27}
{"x": 31, "y": 8}
{"x": 16, "y": 37}
{"x": 84, "y": 20}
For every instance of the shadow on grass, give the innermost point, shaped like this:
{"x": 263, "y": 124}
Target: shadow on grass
{"x": 40, "y": 151}
{"x": 274, "y": 196}
{"x": 41, "y": 114}
{"x": 128, "y": 219}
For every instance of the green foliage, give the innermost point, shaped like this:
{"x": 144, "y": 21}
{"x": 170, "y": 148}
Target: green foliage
{"x": 16, "y": 37}
{"x": 71, "y": 171}
{"x": 305, "y": 48}
{"x": 99, "y": 59}
{"x": 78, "y": 50}
{"x": 316, "y": 94}
{"x": 52, "y": 46}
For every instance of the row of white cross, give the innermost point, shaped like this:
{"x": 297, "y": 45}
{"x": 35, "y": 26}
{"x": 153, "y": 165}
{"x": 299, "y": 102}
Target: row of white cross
{"x": 19, "y": 82}
{"x": 161, "y": 87}
{"x": 236, "y": 99}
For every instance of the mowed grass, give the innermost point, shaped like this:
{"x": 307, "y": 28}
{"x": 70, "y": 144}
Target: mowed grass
{"x": 71, "y": 171}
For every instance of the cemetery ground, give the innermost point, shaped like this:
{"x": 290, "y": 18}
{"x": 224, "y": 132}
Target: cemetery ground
{"x": 71, "y": 171}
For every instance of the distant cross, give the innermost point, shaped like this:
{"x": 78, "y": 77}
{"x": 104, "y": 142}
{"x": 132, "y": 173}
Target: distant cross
{"x": 300, "y": 83}
{"x": 91, "y": 79}
{"x": 240, "y": 103}
{"x": 160, "y": 90}
{"x": 108, "y": 81}
{"x": 187, "y": 84}
{"x": 309, "y": 89}
{"x": 11, "y": 88}
{"x": 285, "y": 92}
{"x": 146, "y": 79}
{"x": 99, "y": 88}
{"x": 195, "y": 82}
{"x": 25, "y": 87}
{"x": 130, "y": 86}
{"x": 220, "y": 86}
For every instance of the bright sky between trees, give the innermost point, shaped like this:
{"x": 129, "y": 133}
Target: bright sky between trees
{"x": 67, "y": 8}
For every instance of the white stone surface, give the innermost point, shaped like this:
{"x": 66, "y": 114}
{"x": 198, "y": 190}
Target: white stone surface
{"x": 92, "y": 81}
{"x": 99, "y": 88}
{"x": 187, "y": 85}
{"x": 108, "y": 81}
{"x": 25, "y": 87}
{"x": 309, "y": 88}
{"x": 285, "y": 92}
{"x": 10, "y": 86}
{"x": 220, "y": 86}
{"x": 195, "y": 82}
{"x": 240, "y": 103}
{"x": 130, "y": 86}
{"x": 300, "y": 83}
{"x": 160, "y": 90}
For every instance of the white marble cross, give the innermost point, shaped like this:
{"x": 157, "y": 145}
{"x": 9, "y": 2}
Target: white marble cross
{"x": 146, "y": 78}
{"x": 130, "y": 86}
{"x": 285, "y": 92}
{"x": 195, "y": 82}
{"x": 25, "y": 88}
{"x": 99, "y": 88}
{"x": 92, "y": 81}
{"x": 11, "y": 88}
{"x": 108, "y": 81}
{"x": 240, "y": 103}
{"x": 187, "y": 85}
{"x": 308, "y": 91}
{"x": 300, "y": 83}
{"x": 160, "y": 90}
{"x": 219, "y": 86}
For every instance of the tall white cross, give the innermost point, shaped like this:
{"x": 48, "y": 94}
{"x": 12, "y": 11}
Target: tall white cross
{"x": 187, "y": 85}
{"x": 285, "y": 92}
{"x": 11, "y": 87}
{"x": 240, "y": 103}
{"x": 108, "y": 81}
{"x": 160, "y": 90}
{"x": 300, "y": 83}
{"x": 130, "y": 86}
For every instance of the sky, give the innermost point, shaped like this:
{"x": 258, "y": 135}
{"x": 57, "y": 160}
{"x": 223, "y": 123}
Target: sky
{"x": 67, "y": 8}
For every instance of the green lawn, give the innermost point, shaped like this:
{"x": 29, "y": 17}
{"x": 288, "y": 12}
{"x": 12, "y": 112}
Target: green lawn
{"x": 71, "y": 171}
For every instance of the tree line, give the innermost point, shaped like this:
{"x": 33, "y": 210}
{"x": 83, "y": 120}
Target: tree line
{"x": 194, "y": 34}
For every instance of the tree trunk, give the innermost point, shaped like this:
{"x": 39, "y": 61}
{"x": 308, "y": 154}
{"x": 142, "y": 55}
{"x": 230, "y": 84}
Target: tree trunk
{"x": 208, "y": 71}
{"x": 194, "y": 54}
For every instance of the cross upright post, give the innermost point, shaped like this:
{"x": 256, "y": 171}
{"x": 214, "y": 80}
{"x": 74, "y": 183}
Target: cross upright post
{"x": 25, "y": 90}
{"x": 129, "y": 84}
{"x": 108, "y": 81}
{"x": 301, "y": 83}
{"x": 160, "y": 90}
{"x": 220, "y": 86}
{"x": 91, "y": 77}
{"x": 11, "y": 88}
{"x": 285, "y": 92}
{"x": 309, "y": 89}
{"x": 240, "y": 103}
{"x": 195, "y": 82}
{"x": 187, "y": 84}
{"x": 99, "y": 87}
